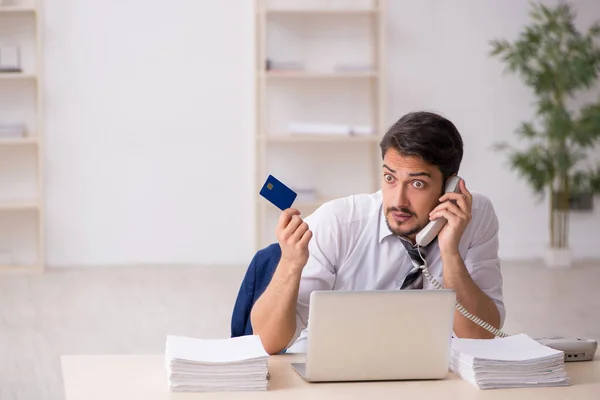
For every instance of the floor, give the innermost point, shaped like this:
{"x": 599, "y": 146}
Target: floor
{"x": 130, "y": 310}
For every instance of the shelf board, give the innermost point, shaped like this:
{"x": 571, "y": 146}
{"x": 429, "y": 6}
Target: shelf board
{"x": 299, "y": 204}
{"x": 19, "y": 141}
{"x": 318, "y": 75}
{"x": 15, "y": 269}
{"x": 19, "y": 205}
{"x": 17, "y": 75}
{"x": 311, "y": 205}
{"x": 17, "y": 9}
{"x": 319, "y": 138}
{"x": 322, "y": 11}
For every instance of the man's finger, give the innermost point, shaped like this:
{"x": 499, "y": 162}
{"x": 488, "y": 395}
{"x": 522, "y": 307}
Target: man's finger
{"x": 456, "y": 210}
{"x": 285, "y": 217}
{"x": 300, "y": 230}
{"x": 295, "y": 222}
{"x": 452, "y": 218}
{"x": 453, "y": 208}
{"x": 460, "y": 199}
{"x": 465, "y": 192}
{"x": 303, "y": 243}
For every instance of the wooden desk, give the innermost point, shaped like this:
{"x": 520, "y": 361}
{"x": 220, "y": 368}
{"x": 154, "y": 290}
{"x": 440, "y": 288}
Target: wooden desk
{"x": 133, "y": 377}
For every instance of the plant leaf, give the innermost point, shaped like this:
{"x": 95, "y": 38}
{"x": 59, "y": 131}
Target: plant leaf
{"x": 586, "y": 181}
{"x": 558, "y": 124}
{"x": 526, "y": 130}
{"x": 535, "y": 166}
{"x": 594, "y": 180}
{"x": 500, "y": 146}
{"x": 587, "y": 130}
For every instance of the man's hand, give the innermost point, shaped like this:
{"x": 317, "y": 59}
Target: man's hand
{"x": 456, "y": 208}
{"x": 273, "y": 316}
{"x": 293, "y": 236}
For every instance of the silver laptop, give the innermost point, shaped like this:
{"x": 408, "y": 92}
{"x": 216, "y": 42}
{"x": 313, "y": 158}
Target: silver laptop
{"x": 378, "y": 335}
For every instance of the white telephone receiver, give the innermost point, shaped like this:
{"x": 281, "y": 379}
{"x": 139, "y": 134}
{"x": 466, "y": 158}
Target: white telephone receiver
{"x": 425, "y": 236}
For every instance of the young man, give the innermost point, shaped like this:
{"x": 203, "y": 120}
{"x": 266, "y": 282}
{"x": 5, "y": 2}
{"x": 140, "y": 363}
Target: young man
{"x": 362, "y": 242}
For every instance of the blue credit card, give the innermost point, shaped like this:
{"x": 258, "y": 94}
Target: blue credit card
{"x": 277, "y": 193}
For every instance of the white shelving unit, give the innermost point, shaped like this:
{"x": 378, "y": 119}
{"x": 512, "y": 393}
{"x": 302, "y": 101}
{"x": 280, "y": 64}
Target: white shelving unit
{"x": 22, "y": 229}
{"x": 318, "y": 62}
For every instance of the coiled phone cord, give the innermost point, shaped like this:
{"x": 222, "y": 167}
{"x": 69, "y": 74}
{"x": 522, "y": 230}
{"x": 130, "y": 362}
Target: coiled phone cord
{"x": 457, "y": 305}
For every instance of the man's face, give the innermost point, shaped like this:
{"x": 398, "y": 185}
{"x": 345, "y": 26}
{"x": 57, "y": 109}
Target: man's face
{"x": 411, "y": 188}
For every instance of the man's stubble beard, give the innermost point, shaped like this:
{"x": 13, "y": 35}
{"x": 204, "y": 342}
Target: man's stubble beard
{"x": 400, "y": 232}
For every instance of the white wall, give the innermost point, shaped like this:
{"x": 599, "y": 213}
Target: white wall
{"x": 150, "y": 118}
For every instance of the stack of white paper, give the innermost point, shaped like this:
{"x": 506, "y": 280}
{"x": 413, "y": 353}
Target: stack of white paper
{"x": 196, "y": 365}
{"x": 511, "y": 362}
{"x": 301, "y": 128}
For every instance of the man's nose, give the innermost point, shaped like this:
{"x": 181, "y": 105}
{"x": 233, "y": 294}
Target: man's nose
{"x": 400, "y": 197}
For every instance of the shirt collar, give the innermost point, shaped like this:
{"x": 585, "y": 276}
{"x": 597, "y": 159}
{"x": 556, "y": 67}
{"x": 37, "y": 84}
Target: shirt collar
{"x": 384, "y": 230}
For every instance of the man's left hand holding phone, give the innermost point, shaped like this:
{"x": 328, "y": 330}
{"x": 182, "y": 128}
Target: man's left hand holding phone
{"x": 273, "y": 315}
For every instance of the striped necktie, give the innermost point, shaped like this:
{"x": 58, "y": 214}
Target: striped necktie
{"x": 414, "y": 279}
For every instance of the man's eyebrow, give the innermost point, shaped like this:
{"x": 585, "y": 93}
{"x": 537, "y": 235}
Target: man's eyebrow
{"x": 422, "y": 173}
{"x": 411, "y": 174}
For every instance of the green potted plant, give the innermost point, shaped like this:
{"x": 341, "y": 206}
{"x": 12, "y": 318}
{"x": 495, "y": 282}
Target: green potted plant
{"x": 558, "y": 62}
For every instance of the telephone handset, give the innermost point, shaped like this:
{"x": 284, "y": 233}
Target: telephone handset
{"x": 426, "y": 235}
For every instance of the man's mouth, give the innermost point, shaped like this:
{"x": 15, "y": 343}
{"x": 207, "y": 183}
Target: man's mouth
{"x": 401, "y": 217}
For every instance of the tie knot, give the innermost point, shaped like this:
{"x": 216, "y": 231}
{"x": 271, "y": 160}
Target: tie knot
{"x": 415, "y": 253}
{"x": 412, "y": 249}
{"x": 414, "y": 279}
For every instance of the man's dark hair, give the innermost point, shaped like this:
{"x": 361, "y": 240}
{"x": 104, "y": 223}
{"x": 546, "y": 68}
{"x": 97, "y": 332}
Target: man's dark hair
{"x": 429, "y": 136}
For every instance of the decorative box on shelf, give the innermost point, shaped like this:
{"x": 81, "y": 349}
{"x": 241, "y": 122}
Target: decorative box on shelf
{"x": 10, "y": 131}
{"x": 10, "y": 58}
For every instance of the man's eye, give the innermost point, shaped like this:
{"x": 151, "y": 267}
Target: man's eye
{"x": 419, "y": 184}
{"x": 389, "y": 178}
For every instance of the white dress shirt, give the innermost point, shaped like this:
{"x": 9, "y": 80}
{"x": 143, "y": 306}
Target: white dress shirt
{"x": 353, "y": 249}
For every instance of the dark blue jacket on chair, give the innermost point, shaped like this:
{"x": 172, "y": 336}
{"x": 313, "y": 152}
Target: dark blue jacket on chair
{"x": 257, "y": 278}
